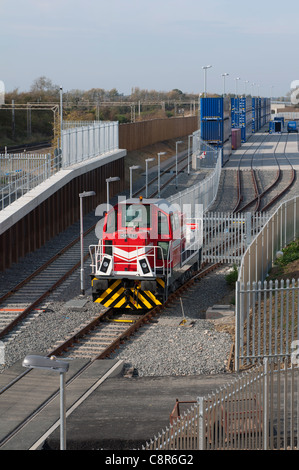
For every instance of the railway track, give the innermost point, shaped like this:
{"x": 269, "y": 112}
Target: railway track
{"x": 98, "y": 340}
{"x": 26, "y": 147}
{"x": 283, "y": 181}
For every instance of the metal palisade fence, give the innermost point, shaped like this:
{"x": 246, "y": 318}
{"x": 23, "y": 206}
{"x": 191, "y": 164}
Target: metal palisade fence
{"x": 88, "y": 141}
{"x": 259, "y": 410}
{"x": 80, "y": 141}
{"x": 267, "y": 312}
{"x": 198, "y": 198}
{"x": 21, "y": 172}
{"x": 227, "y": 236}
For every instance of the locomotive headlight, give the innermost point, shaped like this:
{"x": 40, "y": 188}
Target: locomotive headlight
{"x": 144, "y": 266}
{"x": 106, "y": 265}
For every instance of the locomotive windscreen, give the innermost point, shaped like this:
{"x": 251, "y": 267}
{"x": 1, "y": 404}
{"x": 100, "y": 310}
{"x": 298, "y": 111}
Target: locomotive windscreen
{"x": 136, "y": 215}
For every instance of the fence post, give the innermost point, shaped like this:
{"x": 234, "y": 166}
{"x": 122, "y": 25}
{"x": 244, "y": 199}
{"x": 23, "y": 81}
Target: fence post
{"x": 265, "y": 405}
{"x": 201, "y": 424}
{"x": 237, "y": 326}
{"x": 248, "y": 228}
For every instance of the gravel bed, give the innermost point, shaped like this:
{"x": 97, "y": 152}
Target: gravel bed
{"x": 161, "y": 348}
{"x": 166, "y": 348}
{"x": 54, "y": 321}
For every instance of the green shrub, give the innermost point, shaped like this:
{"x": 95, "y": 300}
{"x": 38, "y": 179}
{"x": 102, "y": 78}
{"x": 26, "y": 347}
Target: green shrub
{"x": 232, "y": 277}
{"x": 290, "y": 253}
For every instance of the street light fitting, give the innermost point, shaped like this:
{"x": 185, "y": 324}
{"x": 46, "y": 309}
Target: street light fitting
{"x": 112, "y": 178}
{"x": 87, "y": 193}
{"x": 46, "y": 363}
{"x": 135, "y": 167}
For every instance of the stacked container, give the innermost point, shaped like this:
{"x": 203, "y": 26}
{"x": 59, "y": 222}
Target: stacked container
{"x": 241, "y": 116}
{"x": 216, "y": 124}
{"x": 236, "y": 139}
{"x": 265, "y": 111}
{"x": 261, "y": 113}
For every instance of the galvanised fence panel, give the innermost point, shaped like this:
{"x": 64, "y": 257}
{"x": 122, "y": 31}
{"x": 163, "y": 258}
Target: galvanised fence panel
{"x": 281, "y": 229}
{"x": 258, "y": 410}
{"x": 267, "y": 312}
{"x": 267, "y": 319}
{"x": 85, "y": 142}
{"x": 21, "y": 172}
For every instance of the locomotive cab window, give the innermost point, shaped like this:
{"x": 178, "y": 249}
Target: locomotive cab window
{"x": 163, "y": 225}
{"x": 111, "y": 225}
{"x": 162, "y": 252}
{"x": 136, "y": 215}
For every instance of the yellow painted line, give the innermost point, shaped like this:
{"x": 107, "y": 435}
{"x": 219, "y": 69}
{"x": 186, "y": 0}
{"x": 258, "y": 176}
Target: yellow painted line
{"x": 121, "y": 321}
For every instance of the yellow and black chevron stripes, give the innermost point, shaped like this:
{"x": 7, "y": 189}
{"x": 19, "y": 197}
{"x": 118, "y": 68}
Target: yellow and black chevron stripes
{"x": 160, "y": 282}
{"x": 117, "y": 296}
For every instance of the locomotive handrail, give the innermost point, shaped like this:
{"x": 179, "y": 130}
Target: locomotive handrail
{"x": 150, "y": 251}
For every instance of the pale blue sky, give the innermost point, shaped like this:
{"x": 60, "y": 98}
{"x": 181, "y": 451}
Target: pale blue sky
{"x": 151, "y": 44}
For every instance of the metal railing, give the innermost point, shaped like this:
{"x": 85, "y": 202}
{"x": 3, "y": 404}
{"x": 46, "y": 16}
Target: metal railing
{"x": 85, "y": 142}
{"x": 266, "y": 313}
{"x": 227, "y": 235}
{"x": 22, "y": 172}
{"x": 124, "y": 257}
{"x": 203, "y": 154}
{"x": 259, "y": 410}
{"x": 280, "y": 229}
{"x": 19, "y": 173}
{"x": 266, "y": 320}
{"x": 198, "y": 198}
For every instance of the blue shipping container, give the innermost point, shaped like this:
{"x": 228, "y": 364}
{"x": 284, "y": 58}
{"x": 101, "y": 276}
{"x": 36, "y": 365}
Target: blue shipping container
{"x": 214, "y": 108}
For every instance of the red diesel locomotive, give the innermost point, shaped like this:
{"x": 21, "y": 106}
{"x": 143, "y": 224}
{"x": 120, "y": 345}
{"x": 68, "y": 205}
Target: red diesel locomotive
{"x": 146, "y": 251}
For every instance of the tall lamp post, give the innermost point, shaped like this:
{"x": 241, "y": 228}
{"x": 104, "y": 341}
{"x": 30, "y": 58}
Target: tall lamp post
{"x": 224, "y": 75}
{"x": 245, "y": 87}
{"x": 189, "y": 146}
{"x": 159, "y": 155}
{"x": 53, "y": 364}
{"x": 134, "y": 167}
{"x": 110, "y": 180}
{"x": 238, "y": 78}
{"x": 61, "y": 120}
{"x": 205, "y": 68}
{"x": 176, "y": 161}
{"x": 146, "y": 174}
{"x": 81, "y": 196}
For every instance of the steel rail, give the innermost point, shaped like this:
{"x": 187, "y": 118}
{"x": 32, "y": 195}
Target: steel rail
{"x": 237, "y": 208}
{"x": 136, "y": 325}
{"x": 279, "y": 173}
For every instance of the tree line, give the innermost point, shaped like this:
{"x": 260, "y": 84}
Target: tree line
{"x": 20, "y": 126}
